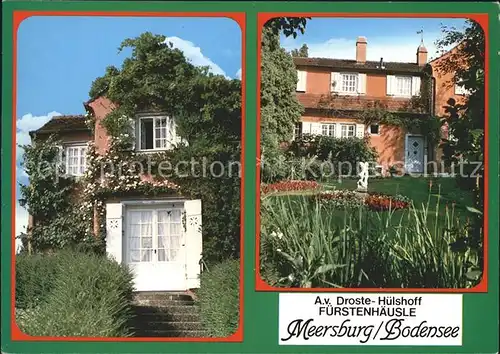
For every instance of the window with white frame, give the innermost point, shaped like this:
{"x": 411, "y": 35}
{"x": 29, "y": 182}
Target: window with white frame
{"x": 328, "y": 129}
{"x": 155, "y": 133}
{"x": 349, "y": 82}
{"x": 76, "y": 159}
{"x": 403, "y": 86}
{"x": 347, "y": 130}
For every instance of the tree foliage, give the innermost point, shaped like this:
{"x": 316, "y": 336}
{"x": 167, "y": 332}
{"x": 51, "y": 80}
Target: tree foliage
{"x": 465, "y": 143}
{"x": 280, "y": 109}
{"x": 302, "y": 52}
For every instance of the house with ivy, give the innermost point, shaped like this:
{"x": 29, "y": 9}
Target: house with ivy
{"x": 392, "y": 104}
{"x": 144, "y": 221}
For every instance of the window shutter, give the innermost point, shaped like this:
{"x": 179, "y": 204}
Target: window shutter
{"x": 390, "y": 85}
{"x": 132, "y": 131}
{"x": 315, "y": 128}
{"x": 338, "y": 130}
{"x": 362, "y": 84}
{"x": 193, "y": 242}
{"x": 114, "y": 228}
{"x": 61, "y": 158}
{"x": 301, "y": 80}
{"x": 336, "y": 83}
{"x": 415, "y": 86}
{"x": 360, "y": 130}
{"x": 306, "y": 128}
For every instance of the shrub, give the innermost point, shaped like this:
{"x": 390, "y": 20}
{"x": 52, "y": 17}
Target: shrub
{"x": 35, "y": 276}
{"x": 91, "y": 297}
{"x": 218, "y": 297}
{"x": 348, "y": 151}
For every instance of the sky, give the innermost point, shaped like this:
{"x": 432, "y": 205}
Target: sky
{"x": 391, "y": 39}
{"x": 59, "y": 57}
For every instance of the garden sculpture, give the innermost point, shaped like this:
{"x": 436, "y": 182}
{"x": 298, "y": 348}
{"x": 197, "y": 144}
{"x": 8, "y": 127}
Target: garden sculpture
{"x": 363, "y": 181}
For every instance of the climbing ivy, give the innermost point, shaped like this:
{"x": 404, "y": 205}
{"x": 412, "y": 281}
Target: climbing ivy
{"x": 48, "y": 199}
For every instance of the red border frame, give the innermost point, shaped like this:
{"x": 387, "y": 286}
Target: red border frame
{"x": 18, "y": 17}
{"x": 261, "y": 285}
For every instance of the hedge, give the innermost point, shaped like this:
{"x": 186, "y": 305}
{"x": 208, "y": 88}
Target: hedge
{"x": 218, "y": 298}
{"x": 91, "y": 297}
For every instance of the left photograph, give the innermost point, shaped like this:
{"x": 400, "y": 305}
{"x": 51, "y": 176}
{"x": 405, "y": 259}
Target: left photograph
{"x": 128, "y": 176}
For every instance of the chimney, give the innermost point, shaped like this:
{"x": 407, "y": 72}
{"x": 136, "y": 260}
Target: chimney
{"x": 361, "y": 50}
{"x": 421, "y": 55}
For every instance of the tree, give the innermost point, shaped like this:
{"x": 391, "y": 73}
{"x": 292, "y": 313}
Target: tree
{"x": 280, "y": 109}
{"x": 465, "y": 143}
{"x": 302, "y": 52}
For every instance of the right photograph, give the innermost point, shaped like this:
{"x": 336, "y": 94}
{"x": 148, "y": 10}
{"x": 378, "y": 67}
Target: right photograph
{"x": 373, "y": 154}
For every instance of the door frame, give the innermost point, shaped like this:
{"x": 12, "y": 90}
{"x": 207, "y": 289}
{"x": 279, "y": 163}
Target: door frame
{"x": 424, "y": 152}
{"x": 154, "y": 205}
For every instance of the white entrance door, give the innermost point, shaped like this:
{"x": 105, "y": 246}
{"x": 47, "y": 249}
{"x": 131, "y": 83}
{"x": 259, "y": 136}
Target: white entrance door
{"x": 414, "y": 154}
{"x": 155, "y": 248}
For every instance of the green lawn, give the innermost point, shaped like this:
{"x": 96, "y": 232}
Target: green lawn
{"x": 444, "y": 192}
{"x": 415, "y": 188}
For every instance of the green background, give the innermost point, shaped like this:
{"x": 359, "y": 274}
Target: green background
{"x": 261, "y": 309}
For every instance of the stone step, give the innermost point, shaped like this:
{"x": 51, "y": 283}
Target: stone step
{"x": 170, "y": 333}
{"x": 166, "y": 310}
{"x": 162, "y": 303}
{"x": 167, "y": 325}
{"x": 158, "y": 295}
{"x": 164, "y": 317}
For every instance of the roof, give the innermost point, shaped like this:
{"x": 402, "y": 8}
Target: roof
{"x": 352, "y": 64}
{"x": 353, "y": 103}
{"x": 65, "y": 123}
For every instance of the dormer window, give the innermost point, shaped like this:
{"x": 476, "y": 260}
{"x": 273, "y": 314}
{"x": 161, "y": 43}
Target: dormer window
{"x": 156, "y": 133}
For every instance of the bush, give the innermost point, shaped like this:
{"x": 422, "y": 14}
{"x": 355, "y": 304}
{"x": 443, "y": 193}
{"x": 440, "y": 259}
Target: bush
{"x": 91, "y": 297}
{"x": 348, "y": 151}
{"x": 35, "y": 276}
{"x": 218, "y": 297}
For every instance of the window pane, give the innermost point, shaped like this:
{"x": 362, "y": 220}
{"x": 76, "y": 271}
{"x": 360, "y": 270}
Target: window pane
{"x": 176, "y": 215}
{"x": 147, "y": 242}
{"x": 162, "y": 255}
{"x": 134, "y": 243}
{"x": 146, "y": 134}
{"x": 134, "y": 256}
{"x": 146, "y": 255}
{"x": 174, "y": 254}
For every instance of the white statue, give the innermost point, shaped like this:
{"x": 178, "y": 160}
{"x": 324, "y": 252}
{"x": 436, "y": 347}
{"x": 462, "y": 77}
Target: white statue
{"x": 363, "y": 180}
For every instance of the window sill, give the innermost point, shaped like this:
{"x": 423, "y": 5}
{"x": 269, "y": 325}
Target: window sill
{"x": 348, "y": 93}
{"x": 151, "y": 151}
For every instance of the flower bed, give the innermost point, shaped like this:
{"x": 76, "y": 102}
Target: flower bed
{"x": 383, "y": 202}
{"x": 290, "y": 186}
{"x": 373, "y": 201}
